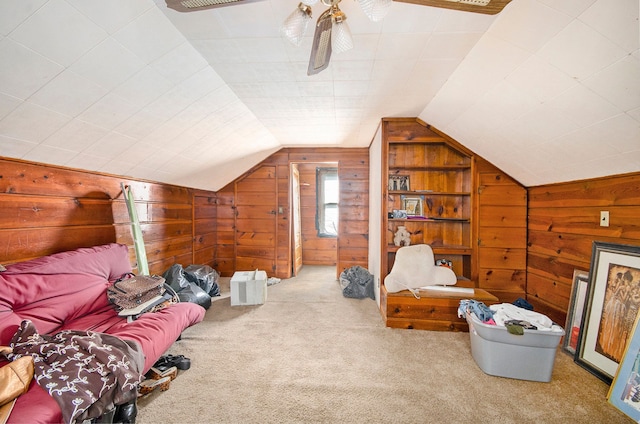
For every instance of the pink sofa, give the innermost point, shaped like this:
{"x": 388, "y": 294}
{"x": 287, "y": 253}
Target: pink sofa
{"x": 67, "y": 291}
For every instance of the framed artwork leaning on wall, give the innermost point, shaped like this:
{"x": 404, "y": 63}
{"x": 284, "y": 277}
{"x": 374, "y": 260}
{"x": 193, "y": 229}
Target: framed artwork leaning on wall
{"x": 576, "y": 310}
{"x": 613, "y": 302}
{"x": 624, "y": 392}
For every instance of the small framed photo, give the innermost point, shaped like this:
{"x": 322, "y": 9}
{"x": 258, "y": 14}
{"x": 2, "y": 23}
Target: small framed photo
{"x": 399, "y": 183}
{"x": 576, "y": 309}
{"x": 624, "y": 392}
{"x": 413, "y": 205}
{"x": 613, "y": 301}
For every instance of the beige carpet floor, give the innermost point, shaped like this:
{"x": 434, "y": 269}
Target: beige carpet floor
{"x": 310, "y": 355}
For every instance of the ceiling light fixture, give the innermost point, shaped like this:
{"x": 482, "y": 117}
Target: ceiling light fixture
{"x": 332, "y": 32}
{"x": 195, "y": 5}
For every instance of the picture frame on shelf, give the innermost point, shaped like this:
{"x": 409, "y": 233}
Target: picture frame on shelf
{"x": 399, "y": 183}
{"x": 624, "y": 392}
{"x": 576, "y": 309}
{"x": 399, "y": 214}
{"x": 413, "y": 205}
{"x": 613, "y": 300}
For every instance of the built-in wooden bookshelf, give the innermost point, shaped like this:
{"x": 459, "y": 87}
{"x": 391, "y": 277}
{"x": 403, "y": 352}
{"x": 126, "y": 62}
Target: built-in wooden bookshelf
{"x": 431, "y": 181}
{"x": 466, "y": 209}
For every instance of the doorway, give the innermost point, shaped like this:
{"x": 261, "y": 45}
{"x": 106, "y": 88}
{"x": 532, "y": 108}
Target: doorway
{"x": 315, "y": 194}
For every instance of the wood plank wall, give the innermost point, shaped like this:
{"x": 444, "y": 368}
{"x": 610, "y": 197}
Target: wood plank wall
{"x": 352, "y": 247}
{"x": 315, "y": 250}
{"x": 502, "y": 233}
{"x": 563, "y": 223}
{"x": 46, "y": 209}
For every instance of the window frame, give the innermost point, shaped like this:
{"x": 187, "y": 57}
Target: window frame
{"x": 321, "y": 175}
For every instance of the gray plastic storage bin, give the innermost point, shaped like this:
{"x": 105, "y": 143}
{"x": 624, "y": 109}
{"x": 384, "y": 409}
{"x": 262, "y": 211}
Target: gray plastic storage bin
{"x": 527, "y": 357}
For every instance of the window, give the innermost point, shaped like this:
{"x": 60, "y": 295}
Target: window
{"x": 328, "y": 190}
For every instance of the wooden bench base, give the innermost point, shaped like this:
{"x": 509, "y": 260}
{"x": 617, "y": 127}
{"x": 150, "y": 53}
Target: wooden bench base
{"x": 434, "y": 310}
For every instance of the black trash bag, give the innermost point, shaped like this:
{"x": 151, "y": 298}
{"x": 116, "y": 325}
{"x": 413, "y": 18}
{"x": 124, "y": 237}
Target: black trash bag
{"x": 205, "y": 277}
{"x": 175, "y": 277}
{"x": 357, "y": 283}
{"x": 195, "y": 294}
{"x": 185, "y": 289}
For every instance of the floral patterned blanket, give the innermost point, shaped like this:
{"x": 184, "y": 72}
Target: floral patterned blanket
{"x": 86, "y": 372}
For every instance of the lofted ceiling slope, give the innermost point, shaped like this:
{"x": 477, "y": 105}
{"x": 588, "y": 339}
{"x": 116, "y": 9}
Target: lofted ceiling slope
{"x": 548, "y": 91}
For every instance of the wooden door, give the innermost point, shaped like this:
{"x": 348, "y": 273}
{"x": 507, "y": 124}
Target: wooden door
{"x": 296, "y": 219}
{"x": 255, "y": 221}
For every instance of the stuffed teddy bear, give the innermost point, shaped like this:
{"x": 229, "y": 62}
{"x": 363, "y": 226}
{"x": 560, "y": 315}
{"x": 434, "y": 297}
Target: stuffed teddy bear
{"x": 402, "y": 237}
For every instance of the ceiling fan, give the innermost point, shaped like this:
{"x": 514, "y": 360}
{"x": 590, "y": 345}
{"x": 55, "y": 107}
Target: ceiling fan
{"x": 195, "y": 5}
{"x": 488, "y": 7}
{"x": 331, "y": 32}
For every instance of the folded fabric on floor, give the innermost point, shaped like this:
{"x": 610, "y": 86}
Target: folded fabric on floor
{"x": 504, "y": 312}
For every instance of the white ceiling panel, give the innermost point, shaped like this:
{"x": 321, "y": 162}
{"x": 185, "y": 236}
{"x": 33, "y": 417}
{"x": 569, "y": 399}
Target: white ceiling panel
{"x": 68, "y": 93}
{"x": 179, "y": 63}
{"x": 108, "y": 64}
{"x": 24, "y": 71}
{"x": 149, "y": 36}
{"x": 530, "y": 26}
{"x": 448, "y": 45}
{"x": 75, "y": 136}
{"x": 618, "y": 83}
{"x": 111, "y": 15}
{"x": 49, "y": 154}
{"x": 131, "y": 87}
{"x": 582, "y": 106}
{"x": 58, "y": 31}
{"x": 15, "y": 12}
{"x": 540, "y": 79}
{"x": 7, "y": 104}
{"x": 573, "y": 88}
{"x": 573, "y": 8}
{"x": 619, "y": 24}
{"x": 11, "y": 147}
{"x": 109, "y": 111}
{"x": 144, "y": 87}
{"x": 30, "y": 122}
{"x": 597, "y": 52}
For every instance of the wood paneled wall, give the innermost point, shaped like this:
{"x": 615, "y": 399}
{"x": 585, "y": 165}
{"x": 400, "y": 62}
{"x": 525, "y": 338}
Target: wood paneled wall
{"x": 46, "y": 209}
{"x": 563, "y": 222}
{"x": 352, "y": 244}
{"x": 502, "y": 233}
{"x": 315, "y": 250}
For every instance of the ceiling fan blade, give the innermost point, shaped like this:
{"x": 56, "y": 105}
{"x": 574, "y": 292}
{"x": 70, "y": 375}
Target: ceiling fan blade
{"x": 195, "y": 5}
{"x": 489, "y": 7}
{"x": 321, "y": 46}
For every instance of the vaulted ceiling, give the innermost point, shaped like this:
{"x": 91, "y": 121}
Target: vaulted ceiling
{"x": 547, "y": 90}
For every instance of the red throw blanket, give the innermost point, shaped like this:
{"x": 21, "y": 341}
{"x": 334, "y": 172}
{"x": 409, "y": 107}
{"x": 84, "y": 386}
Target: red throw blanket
{"x": 86, "y": 372}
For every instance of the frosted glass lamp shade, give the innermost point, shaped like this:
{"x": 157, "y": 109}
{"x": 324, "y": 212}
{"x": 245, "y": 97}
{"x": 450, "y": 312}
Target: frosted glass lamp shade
{"x": 341, "y": 39}
{"x": 375, "y": 10}
{"x": 295, "y": 26}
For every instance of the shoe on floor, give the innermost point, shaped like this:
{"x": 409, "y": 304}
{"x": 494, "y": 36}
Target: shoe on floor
{"x": 156, "y": 374}
{"x": 149, "y": 385}
{"x": 167, "y": 361}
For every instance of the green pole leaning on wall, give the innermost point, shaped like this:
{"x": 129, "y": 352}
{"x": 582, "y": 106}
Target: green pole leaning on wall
{"x": 141, "y": 253}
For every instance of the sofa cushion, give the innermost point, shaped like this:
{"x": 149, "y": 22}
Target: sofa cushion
{"x": 57, "y": 289}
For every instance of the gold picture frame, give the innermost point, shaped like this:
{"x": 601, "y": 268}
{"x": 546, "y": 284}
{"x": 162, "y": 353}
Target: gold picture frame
{"x": 413, "y": 206}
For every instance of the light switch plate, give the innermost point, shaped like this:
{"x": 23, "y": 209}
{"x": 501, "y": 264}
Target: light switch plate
{"x": 604, "y": 218}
